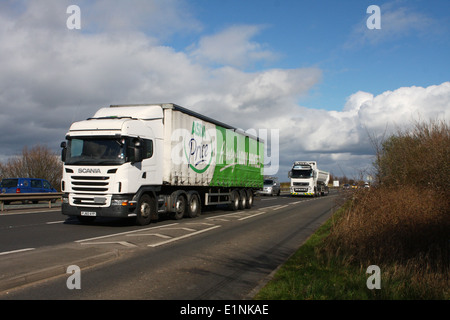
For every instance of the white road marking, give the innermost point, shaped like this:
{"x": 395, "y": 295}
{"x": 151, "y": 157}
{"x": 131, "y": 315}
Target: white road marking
{"x": 280, "y": 207}
{"x": 272, "y": 206}
{"x": 16, "y": 251}
{"x": 253, "y": 215}
{"x": 123, "y": 243}
{"x": 182, "y": 237}
{"x": 150, "y": 234}
{"x": 122, "y": 233}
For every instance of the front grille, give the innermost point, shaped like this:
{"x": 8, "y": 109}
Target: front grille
{"x": 90, "y": 184}
{"x": 301, "y": 184}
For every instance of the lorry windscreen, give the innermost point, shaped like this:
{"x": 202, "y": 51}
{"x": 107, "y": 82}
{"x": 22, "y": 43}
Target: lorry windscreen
{"x": 301, "y": 173}
{"x": 96, "y": 151}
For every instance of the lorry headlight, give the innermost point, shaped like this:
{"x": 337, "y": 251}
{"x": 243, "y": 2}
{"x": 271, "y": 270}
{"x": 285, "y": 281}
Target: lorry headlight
{"x": 123, "y": 203}
{"x": 117, "y": 202}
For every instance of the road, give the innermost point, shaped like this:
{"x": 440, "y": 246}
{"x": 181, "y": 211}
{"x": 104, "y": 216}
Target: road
{"x": 222, "y": 255}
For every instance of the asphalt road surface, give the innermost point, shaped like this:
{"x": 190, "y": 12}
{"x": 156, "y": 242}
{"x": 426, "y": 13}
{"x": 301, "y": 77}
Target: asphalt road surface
{"x": 221, "y": 255}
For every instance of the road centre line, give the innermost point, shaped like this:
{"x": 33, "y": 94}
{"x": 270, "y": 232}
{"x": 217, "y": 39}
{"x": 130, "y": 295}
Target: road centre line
{"x": 182, "y": 237}
{"x": 127, "y": 232}
{"x": 16, "y": 251}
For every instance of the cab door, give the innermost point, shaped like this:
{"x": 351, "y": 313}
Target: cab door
{"x": 149, "y": 163}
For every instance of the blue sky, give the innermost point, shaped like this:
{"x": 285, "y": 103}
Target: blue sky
{"x": 309, "y": 73}
{"x": 329, "y": 35}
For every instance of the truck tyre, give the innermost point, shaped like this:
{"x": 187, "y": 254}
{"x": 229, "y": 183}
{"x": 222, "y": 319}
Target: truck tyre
{"x": 249, "y": 199}
{"x": 242, "y": 199}
{"x": 234, "y": 204}
{"x": 193, "y": 207}
{"x": 145, "y": 209}
{"x": 180, "y": 207}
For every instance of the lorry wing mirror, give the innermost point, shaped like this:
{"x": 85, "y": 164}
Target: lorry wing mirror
{"x": 290, "y": 174}
{"x": 63, "y": 151}
{"x": 137, "y": 147}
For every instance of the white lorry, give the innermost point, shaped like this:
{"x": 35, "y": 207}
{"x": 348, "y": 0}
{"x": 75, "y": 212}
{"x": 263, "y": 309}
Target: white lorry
{"x": 144, "y": 160}
{"x": 308, "y": 180}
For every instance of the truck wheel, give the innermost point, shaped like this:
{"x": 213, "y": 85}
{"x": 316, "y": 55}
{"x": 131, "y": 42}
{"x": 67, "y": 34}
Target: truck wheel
{"x": 243, "y": 199}
{"x": 193, "y": 208}
{"x": 249, "y": 199}
{"x": 144, "y": 210}
{"x": 180, "y": 208}
{"x": 234, "y": 205}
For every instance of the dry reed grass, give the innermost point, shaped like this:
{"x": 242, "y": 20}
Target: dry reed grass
{"x": 403, "y": 225}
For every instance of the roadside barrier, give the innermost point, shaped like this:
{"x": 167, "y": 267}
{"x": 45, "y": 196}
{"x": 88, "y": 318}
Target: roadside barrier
{"x": 10, "y": 197}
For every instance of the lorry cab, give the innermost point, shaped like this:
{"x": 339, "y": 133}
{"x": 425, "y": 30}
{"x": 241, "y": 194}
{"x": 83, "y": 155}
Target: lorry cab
{"x": 308, "y": 180}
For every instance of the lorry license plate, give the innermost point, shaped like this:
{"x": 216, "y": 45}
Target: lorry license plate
{"x": 88, "y": 213}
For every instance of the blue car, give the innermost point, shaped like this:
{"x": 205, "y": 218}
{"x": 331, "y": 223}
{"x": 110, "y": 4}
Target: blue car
{"x": 25, "y": 185}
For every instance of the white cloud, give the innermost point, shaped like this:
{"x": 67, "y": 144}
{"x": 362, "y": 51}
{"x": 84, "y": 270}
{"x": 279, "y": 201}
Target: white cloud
{"x": 159, "y": 19}
{"x": 50, "y": 77}
{"x": 232, "y": 47}
{"x": 341, "y": 138}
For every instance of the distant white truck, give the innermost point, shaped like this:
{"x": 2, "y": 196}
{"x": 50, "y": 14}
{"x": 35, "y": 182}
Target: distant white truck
{"x": 308, "y": 180}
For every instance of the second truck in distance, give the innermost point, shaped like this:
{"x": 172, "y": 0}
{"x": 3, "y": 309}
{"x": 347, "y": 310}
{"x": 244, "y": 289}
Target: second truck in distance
{"x": 308, "y": 180}
{"x": 144, "y": 160}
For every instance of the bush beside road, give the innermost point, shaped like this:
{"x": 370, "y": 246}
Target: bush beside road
{"x": 401, "y": 226}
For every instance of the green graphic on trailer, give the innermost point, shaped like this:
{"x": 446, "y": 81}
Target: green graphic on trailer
{"x": 239, "y": 160}
{"x": 200, "y": 146}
